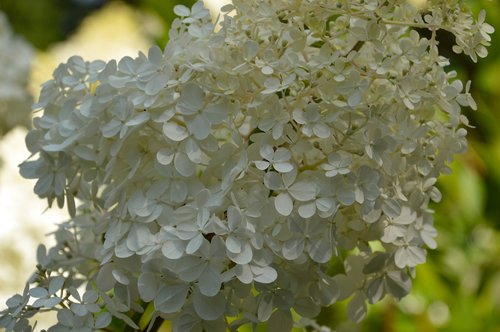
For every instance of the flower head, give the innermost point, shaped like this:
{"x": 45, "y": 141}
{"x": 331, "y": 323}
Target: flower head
{"x": 221, "y": 176}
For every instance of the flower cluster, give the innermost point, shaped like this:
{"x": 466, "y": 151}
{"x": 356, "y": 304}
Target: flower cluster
{"x": 15, "y": 62}
{"x": 219, "y": 178}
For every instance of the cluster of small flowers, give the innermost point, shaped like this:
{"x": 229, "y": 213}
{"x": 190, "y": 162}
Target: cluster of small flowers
{"x": 221, "y": 177}
{"x": 15, "y": 63}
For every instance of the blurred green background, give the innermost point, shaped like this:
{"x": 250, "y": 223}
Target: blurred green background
{"x": 458, "y": 289}
{"x": 44, "y": 22}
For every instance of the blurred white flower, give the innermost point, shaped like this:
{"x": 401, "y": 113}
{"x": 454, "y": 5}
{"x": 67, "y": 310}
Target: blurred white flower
{"x": 15, "y": 65}
{"x": 214, "y": 186}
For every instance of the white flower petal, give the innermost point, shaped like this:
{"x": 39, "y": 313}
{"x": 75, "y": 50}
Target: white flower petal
{"x": 216, "y": 113}
{"x": 183, "y": 165}
{"x": 155, "y": 55}
{"x": 303, "y": 191}
{"x": 193, "y": 151}
{"x": 233, "y": 244}
{"x": 283, "y": 204}
{"x": 264, "y": 275}
{"x": 293, "y": 248}
{"x": 171, "y": 298}
{"x": 356, "y": 309}
{"x": 272, "y": 181}
{"x": 191, "y": 100}
{"x": 189, "y": 268}
{"x": 194, "y": 244}
{"x": 147, "y": 285}
{"x": 174, "y": 131}
{"x": 283, "y": 167}
{"x": 173, "y": 249}
{"x": 261, "y": 164}
{"x": 165, "y": 156}
{"x": 209, "y": 282}
{"x": 155, "y": 85}
{"x": 209, "y": 308}
{"x": 244, "y": 273}
{"x": 199, "y": 127}
{"x": 181, "y": 10}
{"x": 307, "y": 210}
{"x": 320, "y": 250}
{"x": 243, "y": 257}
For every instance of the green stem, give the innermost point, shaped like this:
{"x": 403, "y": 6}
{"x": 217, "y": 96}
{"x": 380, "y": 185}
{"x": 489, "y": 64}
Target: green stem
{"x": 156, "y": 325}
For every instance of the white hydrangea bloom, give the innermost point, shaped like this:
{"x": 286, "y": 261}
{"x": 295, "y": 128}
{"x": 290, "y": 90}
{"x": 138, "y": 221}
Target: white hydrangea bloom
{"x": 15, "y": 63}
{"x": 219, "y": 177}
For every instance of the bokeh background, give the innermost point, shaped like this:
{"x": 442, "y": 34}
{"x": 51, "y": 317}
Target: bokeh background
{"x": 458, "y": 289}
